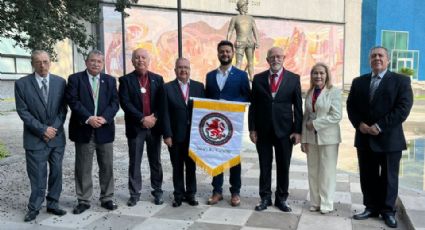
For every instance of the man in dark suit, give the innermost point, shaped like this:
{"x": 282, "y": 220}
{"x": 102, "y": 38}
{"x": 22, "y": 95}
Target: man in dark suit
{"x": 176, "y": 119}
{"x": 275, "y": 121}
{"x": 93, "y": 99}
{"x": 41, "y": 105}
{"x": 227, "y": 83}
{"x": 378, "y": 104}
{"x": 139, "y": 93}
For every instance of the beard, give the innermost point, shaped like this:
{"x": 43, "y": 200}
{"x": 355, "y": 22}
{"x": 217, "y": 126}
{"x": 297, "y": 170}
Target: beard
{"x": 225, "y": 62}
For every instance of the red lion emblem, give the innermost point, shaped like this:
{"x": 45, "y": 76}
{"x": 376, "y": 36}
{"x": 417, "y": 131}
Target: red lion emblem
{"x": 216, "y": 128}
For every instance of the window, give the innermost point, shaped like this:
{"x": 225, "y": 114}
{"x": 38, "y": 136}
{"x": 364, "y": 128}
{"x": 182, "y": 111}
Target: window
{"x": 397, "y": 43}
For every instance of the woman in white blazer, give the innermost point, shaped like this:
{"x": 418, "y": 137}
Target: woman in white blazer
{"x": 321, "y": 137}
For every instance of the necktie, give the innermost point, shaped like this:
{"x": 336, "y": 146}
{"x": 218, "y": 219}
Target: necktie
{"x": 374, "y": 83}
{"x": 273, "y": 83}
{"x": 44, "y": 90}
{"x": 95, "y": 91}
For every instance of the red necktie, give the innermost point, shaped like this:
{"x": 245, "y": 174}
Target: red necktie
{"x": 273, "y": 86}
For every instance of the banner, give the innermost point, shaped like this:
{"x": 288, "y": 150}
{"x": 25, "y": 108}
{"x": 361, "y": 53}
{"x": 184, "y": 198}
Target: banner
{"x": 216, "y": 134}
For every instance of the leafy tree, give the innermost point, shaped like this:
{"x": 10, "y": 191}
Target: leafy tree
{"x": 40, "y": 24}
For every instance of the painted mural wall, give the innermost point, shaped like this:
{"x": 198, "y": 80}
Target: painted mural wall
{"x": 156, "y": 30}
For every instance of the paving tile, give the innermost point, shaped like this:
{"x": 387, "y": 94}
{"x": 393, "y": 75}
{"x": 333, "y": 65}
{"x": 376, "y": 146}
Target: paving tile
{"x": 163, "y": 224}
{"x": 257, "y": 228}
{"x": 342, "y": 177}
{"x": 209, "y": 226}
{"x": 298, "y": 184}
{"x": 413, "y": 202}
{"x": 298, "y": 194}
{"x": 298, "y": 168}
{"x": 73, "y": 221}
{"x": 226, "y": 216}
{"x": 118, "y": 222}
{"x": 342, "y": 197}
{"x": 27, "y": 226}
{"x": 184, "y": 212}
{"x": 308, "y": 222}
{"x": 342, "y": 187}
{"x": 417, "y": 218}
{"x": 356, "y": 198}
{"x": 142, "y": 208}
{"x": 355, "y": 187}
{"x": 278, "y": 220}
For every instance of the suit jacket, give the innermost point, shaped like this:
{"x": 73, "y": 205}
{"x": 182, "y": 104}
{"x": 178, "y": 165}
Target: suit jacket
{"x": 283, "y": 113}
{"x": 236, "y": 87}
{"x": 37, "y": 115}
{"x": 389, "y": 108}
{"x": 130, "y": 100}
{"x": 177, "y": 116}
{"x": 328, "y": 114}
{"x": 80, "y": 100}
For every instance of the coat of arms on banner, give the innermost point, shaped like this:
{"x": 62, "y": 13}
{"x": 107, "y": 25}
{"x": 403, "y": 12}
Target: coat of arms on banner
{"x": 216, "y": 134}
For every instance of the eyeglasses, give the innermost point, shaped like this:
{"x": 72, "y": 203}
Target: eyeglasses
{"x": 279, "y": 57}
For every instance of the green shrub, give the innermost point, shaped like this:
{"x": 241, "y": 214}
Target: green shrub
{"x": 407, "y": 71}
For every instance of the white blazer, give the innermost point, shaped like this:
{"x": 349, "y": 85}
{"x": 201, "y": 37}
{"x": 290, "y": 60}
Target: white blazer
{"x": 328, "y": 115}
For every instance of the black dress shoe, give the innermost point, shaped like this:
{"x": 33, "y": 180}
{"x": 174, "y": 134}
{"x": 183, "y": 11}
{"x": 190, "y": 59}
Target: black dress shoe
{"x": 390, "y": 220}
{"x": 192, "y": 201}
{"x": 110, "y": 205}
{"x": 177, "y": 203}
{"x": 80, "y": 208}
{"x": 132, "y": 201}
{"x": 31, "y": 215}
{"x": 283, "y": 206}
{"x": 158, "y": 199}
{"x": 263, "y": 204}
{"x": 365, "y": 214}
{"x": 56, "y": 211}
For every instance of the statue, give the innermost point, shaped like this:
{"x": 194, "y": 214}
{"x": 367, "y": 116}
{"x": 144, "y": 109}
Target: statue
{"x": 246, "y": 36}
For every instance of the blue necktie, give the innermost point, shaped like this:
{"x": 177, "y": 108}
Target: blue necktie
{"x": 374, "y": 83}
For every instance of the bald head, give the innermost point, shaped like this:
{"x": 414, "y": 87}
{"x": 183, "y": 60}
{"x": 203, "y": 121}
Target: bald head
{"x": 140, "y": 59}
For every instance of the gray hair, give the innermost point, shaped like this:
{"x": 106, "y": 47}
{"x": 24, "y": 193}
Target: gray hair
{"x": 94, "y": 52}
{"x": 38, "y": 52}
{"x": 379, "y": 47}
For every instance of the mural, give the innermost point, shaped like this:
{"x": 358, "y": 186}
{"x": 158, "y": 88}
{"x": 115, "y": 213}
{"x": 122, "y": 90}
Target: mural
{"x": 156, "y": 30}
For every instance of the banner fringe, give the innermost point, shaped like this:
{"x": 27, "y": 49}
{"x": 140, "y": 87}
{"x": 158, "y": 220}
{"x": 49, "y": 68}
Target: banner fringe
{"x": 217, "y": 170}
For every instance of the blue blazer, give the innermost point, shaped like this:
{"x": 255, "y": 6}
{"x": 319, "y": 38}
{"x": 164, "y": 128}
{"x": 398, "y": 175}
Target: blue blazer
{"x": 389, "y": 108}
{"x": 236, "y": 87}
{"x": 37, "y": 115}
{"x": 80, "y": 101}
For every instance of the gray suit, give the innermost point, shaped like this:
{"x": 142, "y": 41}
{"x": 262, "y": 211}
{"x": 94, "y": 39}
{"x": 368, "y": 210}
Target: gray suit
{"x": 37, "y": 116}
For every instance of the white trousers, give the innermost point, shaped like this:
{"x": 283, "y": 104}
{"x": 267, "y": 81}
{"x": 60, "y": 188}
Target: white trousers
{"x": 321, "y": 162}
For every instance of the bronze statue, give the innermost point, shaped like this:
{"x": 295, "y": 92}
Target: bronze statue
{"x": 246, "y": 36}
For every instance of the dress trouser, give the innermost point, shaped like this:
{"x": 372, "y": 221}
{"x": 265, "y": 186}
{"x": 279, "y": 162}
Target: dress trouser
{"x": 321, "y": 163}
{"x": 283, "y": 152}
{"x": 379, "y": 179}
{"x": 234, "y": 180}
{"x": 83, "y": 170}
{"x": 36, "y": 161}
{"x": 135, "y": 147}
{"x": 180, "y": 160}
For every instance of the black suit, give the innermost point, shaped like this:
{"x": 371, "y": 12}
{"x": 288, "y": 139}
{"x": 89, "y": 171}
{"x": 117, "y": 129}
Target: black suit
{"x": 176, "y": 119}
{"x": 79, "y": 95}
{"x": 389, "y": 108}
{"x": 131, "y": 102}
{"x": 274, "y": 120}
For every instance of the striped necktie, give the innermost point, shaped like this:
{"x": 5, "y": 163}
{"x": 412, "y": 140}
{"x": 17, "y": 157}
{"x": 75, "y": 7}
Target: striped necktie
{"x": 374, "y": 83}
{"x": 44, "y": 89}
